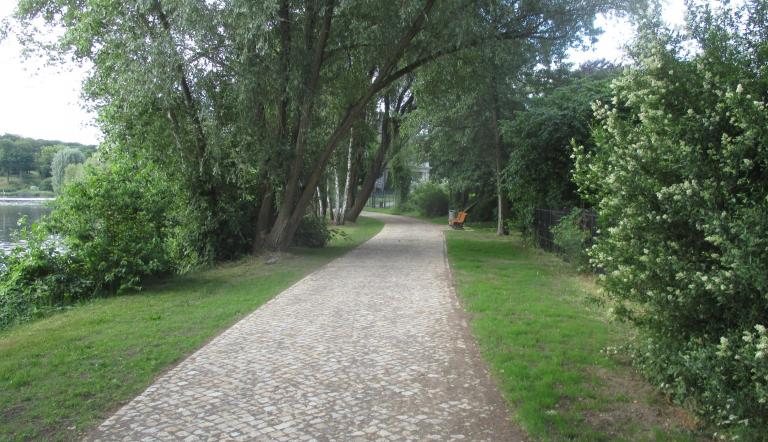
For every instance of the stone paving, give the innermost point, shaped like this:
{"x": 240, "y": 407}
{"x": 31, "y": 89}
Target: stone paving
{"x": 373, "y": 346}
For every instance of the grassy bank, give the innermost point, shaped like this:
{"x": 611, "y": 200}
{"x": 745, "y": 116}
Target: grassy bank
{"x": 542, "y": 329}
{"x": 62, "y": 375}
{"x": 28, "y": 194}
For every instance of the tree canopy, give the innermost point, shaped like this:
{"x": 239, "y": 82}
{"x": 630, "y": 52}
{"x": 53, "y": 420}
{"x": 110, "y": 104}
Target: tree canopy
{"x": 247, "y": 102}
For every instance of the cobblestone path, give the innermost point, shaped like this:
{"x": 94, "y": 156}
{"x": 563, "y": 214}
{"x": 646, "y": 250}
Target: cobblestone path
{"x": 374, "y": 346}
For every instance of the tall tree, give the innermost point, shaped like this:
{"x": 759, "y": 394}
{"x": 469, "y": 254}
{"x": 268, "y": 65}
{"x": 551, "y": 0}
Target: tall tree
{"x": 246, "y": 102}
{"x": 538, "y": 173}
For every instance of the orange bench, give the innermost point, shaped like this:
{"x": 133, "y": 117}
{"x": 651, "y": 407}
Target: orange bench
{"x": 458, "y": 222}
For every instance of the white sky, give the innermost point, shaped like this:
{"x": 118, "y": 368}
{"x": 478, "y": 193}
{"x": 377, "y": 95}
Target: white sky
{"x": 38, "y": 100}
{"x": 618, "y": 32}
{"x": 42, "y": 101}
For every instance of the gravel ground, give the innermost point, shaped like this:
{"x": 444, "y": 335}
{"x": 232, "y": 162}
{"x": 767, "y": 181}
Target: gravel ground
{"x": 373, "y": 346}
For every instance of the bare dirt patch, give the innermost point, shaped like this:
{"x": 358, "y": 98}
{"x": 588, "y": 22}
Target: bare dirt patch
{"x": 635, "y": 408}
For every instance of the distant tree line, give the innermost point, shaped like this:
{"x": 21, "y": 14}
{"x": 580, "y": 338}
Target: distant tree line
{"x": 22, "y": 156}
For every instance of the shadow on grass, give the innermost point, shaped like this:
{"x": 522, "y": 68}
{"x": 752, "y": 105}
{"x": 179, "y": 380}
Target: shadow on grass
{"x": 60, "y": 376}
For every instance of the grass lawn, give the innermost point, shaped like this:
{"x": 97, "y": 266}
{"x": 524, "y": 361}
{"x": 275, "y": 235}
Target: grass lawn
{"x": 60, "y": 376}
{"x": 411, "y": 213}
{"x": 542, "y": 330}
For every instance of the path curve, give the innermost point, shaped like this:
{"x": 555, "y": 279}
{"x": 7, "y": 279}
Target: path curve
{"x": 373, "y": 346}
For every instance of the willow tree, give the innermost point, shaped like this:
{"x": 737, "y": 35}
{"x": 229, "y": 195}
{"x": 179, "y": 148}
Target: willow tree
{"x": 246, "y": 102}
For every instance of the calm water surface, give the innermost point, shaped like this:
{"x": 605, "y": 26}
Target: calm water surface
{"x": 13, "y": 209}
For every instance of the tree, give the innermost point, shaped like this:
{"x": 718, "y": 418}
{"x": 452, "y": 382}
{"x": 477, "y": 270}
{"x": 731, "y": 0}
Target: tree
{"x": 61, "y": 160}
{"x": 44, "y": 159}
{"x": 245, "y": 103}
{"x": 396, "y": 102}
{"x": 538, "y": 173}
{"x": 679, "y": 175}
{"x": 465, "y": 141}
{"x": 72, "y": 173}
{"x": 16, "y": 157}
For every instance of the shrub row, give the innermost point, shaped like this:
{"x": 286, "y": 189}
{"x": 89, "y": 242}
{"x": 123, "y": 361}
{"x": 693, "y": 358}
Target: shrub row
{"x": 679, "y": 177}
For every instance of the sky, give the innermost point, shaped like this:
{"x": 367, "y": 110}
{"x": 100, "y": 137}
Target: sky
{"x": 38, "y": 100}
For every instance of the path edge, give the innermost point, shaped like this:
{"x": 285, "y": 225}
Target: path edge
{"x": 88, "y": 435}
{"x": 466, "y": 325}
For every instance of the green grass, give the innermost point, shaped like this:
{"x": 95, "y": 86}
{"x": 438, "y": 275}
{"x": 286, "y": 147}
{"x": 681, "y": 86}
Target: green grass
{"x": 411, "y": 213}
{"x": 15, "y": 186}
{"x": 541, "y": 331}
{"x": 62, "y": 375}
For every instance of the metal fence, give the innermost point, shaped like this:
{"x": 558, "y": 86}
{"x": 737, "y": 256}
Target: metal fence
{"x": 545, "y": 219}
{"x": 383, "y": 200}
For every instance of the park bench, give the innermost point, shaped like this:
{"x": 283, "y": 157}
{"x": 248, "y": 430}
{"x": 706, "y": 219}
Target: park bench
{"x": 458, "y": 222}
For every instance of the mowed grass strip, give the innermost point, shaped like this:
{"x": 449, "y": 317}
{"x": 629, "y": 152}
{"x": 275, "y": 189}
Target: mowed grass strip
{"x": 443, "y": 219}
{"x": 60, "y": 376}
{"x": 542, "y": 332}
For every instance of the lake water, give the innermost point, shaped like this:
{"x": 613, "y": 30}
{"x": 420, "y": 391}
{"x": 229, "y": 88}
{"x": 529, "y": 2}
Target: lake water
{"x": 12, "y": 210}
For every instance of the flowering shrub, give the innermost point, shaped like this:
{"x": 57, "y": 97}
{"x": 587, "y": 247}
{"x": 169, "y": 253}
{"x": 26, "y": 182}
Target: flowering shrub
{"x": 679, "y": 175}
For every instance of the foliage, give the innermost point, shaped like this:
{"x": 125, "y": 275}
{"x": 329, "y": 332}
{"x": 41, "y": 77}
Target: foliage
{"x": 429, "y": 199}
{"x": 116, "y": 221}
{"x": 112, "y": 229}
{"x": 542, "y": 335}
{"x": 73, "y": 172}
{"x": 37, "y": 277}
{"x": 20, "y": 154}
{"x": 44, "y": 159}
{"x": 680, "y": 178}
{"x": 312, "y": 232}
{"x": 61, "y": 160}
{"x": 572, "y": 239}
{"x": 62, "y": 376}
{"x": 15, "y": 158}
{"x": 401, "y": 177}
{"x": 180, "y": 83}
{"x": 47, "y": 184}
{"x": 538, "y": 173}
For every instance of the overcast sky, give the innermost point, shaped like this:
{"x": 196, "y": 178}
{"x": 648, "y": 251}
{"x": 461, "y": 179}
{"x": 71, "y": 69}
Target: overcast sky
{"x": 41, "y": 101}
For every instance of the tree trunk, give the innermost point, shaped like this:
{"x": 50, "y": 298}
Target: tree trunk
{"x": 289, "y": 216}
{"x": 263, "y": 220}
{"x": 356, "y": 165}
{"x": 286, "y": 223}
{"x": 337, "y": 200}
{"x": 377, "y": 165}
{"x": 323, "y": 200}
{"x": 501, "y": 200}
{"x": 343, "y": 208}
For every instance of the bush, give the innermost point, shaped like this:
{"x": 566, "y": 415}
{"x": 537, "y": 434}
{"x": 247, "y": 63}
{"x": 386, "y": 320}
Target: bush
{"x": 312, "y": 232}
{"x": 37, "y": 277}
{"x": 572, "y": 239}
{"x": 114, "y": 221}
{"x": 46, "y": 184}
{"x": 680, "y": 178}
{"x": 114, "y": 231}
{"x": 429, "y": 199}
